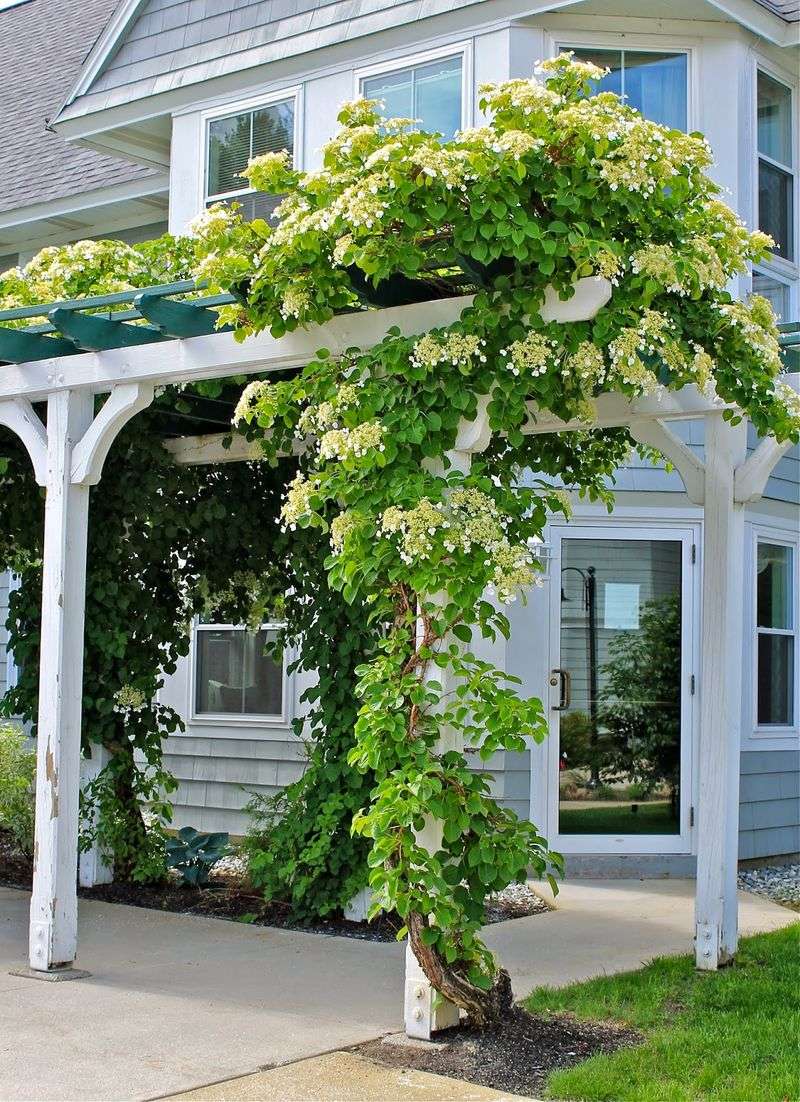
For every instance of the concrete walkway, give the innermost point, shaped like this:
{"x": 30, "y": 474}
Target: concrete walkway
{"x": 175, "y": 1002}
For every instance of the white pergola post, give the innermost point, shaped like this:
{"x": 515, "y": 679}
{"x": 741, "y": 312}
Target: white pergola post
{"x": 716, "y": 929}
{"x": 94, "y": 865}
{"x": 67, "y": 457}
{"x": 54, "y": 905}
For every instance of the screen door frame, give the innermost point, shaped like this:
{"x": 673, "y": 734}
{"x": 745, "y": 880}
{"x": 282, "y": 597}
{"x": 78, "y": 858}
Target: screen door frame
{"x": 626, "y": 843}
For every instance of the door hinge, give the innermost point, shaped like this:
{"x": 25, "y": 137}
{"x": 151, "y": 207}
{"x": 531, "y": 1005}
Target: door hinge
{"x": 694, "y": 553}
{"x": 691, "y": 816}
{"x": 692, "y": 685}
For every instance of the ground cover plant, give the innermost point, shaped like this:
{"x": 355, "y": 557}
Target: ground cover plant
{"x": 730, "y": 1035}
{"x": 558, "y": 186}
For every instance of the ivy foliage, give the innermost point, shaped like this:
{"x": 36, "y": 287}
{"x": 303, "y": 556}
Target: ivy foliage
{"x": 162, "y": 541}
{"x": 557, "y": 186}
{"x": 300, "y": 847}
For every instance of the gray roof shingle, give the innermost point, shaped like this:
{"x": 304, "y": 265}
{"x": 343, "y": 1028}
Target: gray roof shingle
{"x": 42, "y": 46}
{"x": 786, "y": 9}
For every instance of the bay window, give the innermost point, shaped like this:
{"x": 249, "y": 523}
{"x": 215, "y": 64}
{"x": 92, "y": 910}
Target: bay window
{"x": 653, "y": 81}
{"x": 235, "y": 139}
{"x": 235, "y": 673}
{"x": 776, "y": 634}
{"x": 430, "y": 92}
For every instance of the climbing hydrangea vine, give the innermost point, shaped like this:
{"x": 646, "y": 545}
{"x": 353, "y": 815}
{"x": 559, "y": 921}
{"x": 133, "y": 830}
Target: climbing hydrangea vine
{"x": 556, "y": 186}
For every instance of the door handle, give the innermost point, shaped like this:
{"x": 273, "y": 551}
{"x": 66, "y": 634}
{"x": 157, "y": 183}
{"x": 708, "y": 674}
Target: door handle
{"x": 563, "y": 679}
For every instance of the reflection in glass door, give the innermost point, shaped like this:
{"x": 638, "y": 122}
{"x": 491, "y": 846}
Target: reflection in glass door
{"x": 619, "y": 686}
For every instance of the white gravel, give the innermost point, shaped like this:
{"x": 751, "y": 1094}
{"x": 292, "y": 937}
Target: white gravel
{"x": 235, "y": 864}
{"x": 778, "y": 882}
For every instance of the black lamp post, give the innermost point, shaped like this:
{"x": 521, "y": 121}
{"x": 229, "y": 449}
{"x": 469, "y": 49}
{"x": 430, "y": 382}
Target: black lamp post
{"x": 589, "y": 578}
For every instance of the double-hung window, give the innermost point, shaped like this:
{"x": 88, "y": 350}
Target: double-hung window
{"x": 233, "y": 140}
{"x": 430, "y": 92}
{"x": 777, "y": 184}
{"x": 236, "y": 674}
{"x": 653, "y": 81}
{"x": 776, "y": 634}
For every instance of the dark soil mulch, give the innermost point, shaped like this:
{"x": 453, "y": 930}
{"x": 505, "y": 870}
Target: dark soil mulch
{"x": 518, "y": 1055}
{"x": 228, "y": 897}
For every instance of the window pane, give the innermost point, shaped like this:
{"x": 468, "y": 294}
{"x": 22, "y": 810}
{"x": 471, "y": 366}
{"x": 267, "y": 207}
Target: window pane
{"x": 773, "y": 290}
{"x": 396, "y": 90}
{"x": 430, "y": 93}
{"x": 273, "y": 128}
{"x": 437, "y": 91}
{"x": 775, "y": 207}
{"x": 774, "y": 594}
{"x": 233, "y": 141}
{"x": 228, "y": 153}
{"x": 655, "y": 84}
{"x": 775, "y": 676}
{"x": 774, "y": 120}
{"x": 606, "y": 59}
{"x": 235, "y": 676}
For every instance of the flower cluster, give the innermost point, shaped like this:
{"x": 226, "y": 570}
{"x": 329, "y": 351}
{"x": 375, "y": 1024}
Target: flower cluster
{"x": 128, "y": 699}
{"x": 649, "y": 337}
{"x": 468, "y": 522}
{"x": 342, "y": 525}
{"x": 586, "y": 365}
{"x": 451, "y": 166}
{"x": 459, "y": 350}
{"x": 790, "y": 399}
{"x": 326, "y": 414}
{"x": 530, "y": 356}
{"x": 256, "y": 397}
{"x": 755, "y": 320}
{"x": 352, "y": 443}
{"x": 299, "y": 501}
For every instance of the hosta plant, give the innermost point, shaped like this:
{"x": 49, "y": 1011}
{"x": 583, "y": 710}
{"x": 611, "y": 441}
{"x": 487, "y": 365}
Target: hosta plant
{"x": 194, "y": 855}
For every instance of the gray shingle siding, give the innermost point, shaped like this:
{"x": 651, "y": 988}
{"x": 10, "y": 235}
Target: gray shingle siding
{"x": 171, "y": 44}
{"x": 769, "y": 823}
{"x": 42, "y": 47}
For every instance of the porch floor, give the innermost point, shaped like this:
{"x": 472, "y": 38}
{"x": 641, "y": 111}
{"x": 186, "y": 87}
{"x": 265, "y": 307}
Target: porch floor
{"x": 174, "y": 1002}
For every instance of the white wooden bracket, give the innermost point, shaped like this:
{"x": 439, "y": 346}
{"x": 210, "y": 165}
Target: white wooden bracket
{"x": 89, "y": 454}
{"x": 688, "y": 465}
{"x": 751, "y": 477}
{"x": 19, "y": 415}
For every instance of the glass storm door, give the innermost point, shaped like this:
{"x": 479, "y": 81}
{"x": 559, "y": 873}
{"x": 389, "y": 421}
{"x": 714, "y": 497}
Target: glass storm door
{"x": 620, "y": 691}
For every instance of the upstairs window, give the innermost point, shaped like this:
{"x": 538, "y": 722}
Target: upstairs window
{"x": 775, "y": 635}
{"x": 653, "y": 82}
{"x": 430, "y": 92}
{"x": 236, "y": 139}
{"x": 235, "y": 673}
{"x": 776, "y": 161}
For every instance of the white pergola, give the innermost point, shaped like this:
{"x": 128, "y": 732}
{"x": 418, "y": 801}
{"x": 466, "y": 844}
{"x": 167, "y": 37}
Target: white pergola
{"x": 68, "y": 456}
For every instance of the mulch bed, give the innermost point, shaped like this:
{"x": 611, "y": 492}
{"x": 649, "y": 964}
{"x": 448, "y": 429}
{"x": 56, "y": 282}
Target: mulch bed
{"x": 231, "y": 898}
{"x": 518, "y": 1055}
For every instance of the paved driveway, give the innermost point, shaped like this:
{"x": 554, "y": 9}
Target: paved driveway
{"x": 175, "y": 1002}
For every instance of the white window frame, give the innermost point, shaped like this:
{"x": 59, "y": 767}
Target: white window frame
{"x": 226, "y": 719}
{"x": 777, "y": 267}
{"x": 779, "y": 538}
{"x": 399, "y": 63}
{"x": 241, "y": 107}
{"x": 560, "y": 41}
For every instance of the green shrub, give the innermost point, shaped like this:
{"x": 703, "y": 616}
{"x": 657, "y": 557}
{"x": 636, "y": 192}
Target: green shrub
{"x": 17, "y": 794}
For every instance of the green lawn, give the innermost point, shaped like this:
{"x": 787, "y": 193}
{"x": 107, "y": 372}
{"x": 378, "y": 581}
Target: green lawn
{"x": 652, "y": 818}
{"x": 732, "y": 1035}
